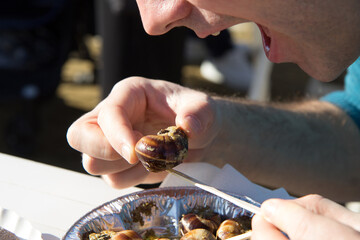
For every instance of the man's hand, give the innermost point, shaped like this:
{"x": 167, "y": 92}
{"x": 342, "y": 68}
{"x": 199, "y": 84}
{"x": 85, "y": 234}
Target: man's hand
{"x": 308, "y": 218}
{"x": 136, "y": 107}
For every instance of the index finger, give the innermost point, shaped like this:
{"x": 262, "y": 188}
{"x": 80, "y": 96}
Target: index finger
{"x": 86, "y": 136}
{"x": 117, "y": 116}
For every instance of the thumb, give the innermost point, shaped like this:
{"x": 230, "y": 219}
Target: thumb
{"x": 300, "y": 223}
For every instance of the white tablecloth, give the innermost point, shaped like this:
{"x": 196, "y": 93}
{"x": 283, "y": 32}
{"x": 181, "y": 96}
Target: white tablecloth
{"x": 51, "y": 198}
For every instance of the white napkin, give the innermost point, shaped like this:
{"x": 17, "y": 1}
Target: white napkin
{"x": 226, "y": 179}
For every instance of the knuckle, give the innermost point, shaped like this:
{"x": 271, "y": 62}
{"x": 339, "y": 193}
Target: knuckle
{"x": 119, "y": 86}
{"x": 315, "y": 197}
{"x": 314, "y": 203}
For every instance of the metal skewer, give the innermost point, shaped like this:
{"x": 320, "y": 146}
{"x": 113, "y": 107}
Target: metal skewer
{"x": 245, "y": 205}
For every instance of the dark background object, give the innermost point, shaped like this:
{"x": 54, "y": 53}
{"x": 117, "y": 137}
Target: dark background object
{"x": 129, "y": 51}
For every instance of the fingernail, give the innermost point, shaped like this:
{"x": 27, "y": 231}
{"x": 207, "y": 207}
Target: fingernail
{"x": 125, "y": 152}
{"x": 268, "y": 208}
{"x": 194, "y": 124}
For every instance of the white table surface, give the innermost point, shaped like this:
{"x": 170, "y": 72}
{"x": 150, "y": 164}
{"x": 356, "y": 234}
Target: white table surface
{"x": 51, "y": 198}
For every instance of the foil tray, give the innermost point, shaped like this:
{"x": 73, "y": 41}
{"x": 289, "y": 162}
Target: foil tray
{"x": 158, "y": 210}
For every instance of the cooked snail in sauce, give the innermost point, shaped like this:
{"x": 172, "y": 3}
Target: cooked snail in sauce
{"x": 163, "y": 151}
{"x": 192, "y": 221}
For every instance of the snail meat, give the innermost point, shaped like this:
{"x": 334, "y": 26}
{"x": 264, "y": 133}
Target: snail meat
{"x": 163, "y": 151}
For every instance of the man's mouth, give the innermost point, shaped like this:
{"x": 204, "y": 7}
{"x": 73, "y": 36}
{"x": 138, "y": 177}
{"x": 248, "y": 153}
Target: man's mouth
{"x": 265, "y": 39}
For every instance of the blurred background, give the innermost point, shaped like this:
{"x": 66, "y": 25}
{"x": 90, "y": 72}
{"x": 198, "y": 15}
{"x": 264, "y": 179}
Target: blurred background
{"x": 59, "y": 58}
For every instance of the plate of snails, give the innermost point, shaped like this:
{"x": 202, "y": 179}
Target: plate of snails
{"x": 166, "y": 213}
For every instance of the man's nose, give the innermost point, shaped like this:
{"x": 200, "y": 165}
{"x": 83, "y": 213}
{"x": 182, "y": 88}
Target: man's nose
{"x": 154, "y": 24}
{"x": 158, "y": 19}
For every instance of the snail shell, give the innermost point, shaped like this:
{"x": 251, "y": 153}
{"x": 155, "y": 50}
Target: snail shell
{"x": 192, "y": 221}
{"x": 232, "y": 227}
{"x": 163, "y": 151}
{"x": 126, "y": 235}
{"x": 228, "y": 228}
{"x": 198, "y": 234}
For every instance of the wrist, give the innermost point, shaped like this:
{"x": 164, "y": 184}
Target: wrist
{"x": 217, "y": 151}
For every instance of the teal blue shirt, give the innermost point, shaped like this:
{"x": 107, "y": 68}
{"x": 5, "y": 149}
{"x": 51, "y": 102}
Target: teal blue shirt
{"x": 349, "y": 99}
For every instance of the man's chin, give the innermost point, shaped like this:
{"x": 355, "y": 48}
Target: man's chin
{"x": 323, "y": 74}
{"x": 325, "y": 77}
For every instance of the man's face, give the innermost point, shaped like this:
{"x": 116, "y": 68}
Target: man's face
{"x": 322, "y": 37}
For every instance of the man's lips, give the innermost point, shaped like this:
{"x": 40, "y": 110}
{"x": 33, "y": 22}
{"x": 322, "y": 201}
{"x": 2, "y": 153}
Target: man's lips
{"x": 265, "y": 39}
